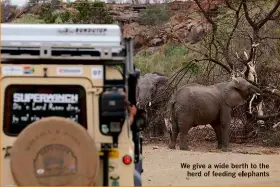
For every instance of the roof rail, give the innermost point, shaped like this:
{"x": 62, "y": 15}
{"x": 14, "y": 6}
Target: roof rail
{"x": 62, "y": 41}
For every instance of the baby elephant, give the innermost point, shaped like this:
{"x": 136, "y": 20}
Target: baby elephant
{"x": 195, "y": 104}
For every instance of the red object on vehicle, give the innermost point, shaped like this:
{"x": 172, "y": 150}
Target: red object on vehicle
{"x": 127, "y": 159}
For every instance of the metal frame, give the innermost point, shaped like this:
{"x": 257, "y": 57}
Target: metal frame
{"x": 10, "y": 51}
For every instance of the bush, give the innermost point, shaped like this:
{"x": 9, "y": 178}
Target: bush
{"x": 48, "y": 13}
{"x": 273, "y": 140}
{"x": 85, "y": 11}
{"x": 154, "y": 15}
{"x": 65, "y": 16}
{"x": 28, "y": 18}
{"x": 7, "y": 10}
{"x": 92, "y": 12}
{"x": 166, "y": 60}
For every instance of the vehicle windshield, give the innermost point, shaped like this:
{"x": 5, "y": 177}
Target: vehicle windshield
{"x": 25, "y": 104}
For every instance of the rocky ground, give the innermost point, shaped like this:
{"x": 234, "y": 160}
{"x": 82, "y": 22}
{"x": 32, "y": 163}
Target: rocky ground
{"x": 162, "y": 166}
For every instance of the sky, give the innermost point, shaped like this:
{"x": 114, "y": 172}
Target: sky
{"x": 18, "y": 2}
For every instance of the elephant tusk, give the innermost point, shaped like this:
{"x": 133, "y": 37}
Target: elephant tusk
{"x": 150, "y": 103}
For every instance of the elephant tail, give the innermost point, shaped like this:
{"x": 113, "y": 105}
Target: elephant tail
{"x": 173, "y": 125}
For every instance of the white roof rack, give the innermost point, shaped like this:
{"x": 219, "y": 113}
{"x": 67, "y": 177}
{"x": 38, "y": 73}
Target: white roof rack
{"x": 58, "y": 40}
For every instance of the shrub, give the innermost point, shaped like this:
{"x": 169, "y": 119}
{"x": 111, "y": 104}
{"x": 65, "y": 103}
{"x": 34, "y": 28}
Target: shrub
{"x": 92, "y": 12}
{"x": 154, "y": 15}
{"x": 85, "y": 12}
{"x": 65, "y": 16}
{"x": 28, "y": 18}
{"x": 48, "y": 13}
{"x": 7, "y": 10}
{"x": 167, "y": 60}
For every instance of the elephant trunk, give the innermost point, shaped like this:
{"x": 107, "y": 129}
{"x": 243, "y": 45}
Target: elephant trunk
{"x": 255, "y": 90}
{"x": 144, "y": 103}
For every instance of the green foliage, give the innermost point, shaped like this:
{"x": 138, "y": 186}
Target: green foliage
{"x": 154, "y": 15}
{"x": 48, "y": 13}
{"x": 86, "y": 12}
{"x": 167, "y": 60}
{"x": 33, "y": 1}
{"x": 175, "y": 50}
{"x": 92, "y": 12}
{"x": 65, "y": 16}
{"x": 28, "y": 18}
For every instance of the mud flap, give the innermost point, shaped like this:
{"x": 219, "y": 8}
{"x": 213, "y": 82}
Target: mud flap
{"x": 137, "y": 178}
{"x": 137, "y": 173}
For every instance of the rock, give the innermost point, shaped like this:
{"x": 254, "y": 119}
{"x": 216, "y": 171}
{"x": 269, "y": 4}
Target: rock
{"x": 157, "y": 42}
{"x": 179, "y": 26}
{"x": 196, "y": 32}
{"x": 155, "y": 147}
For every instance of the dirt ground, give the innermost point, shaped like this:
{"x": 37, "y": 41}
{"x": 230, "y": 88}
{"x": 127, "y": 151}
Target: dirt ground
{"x": 162, "y": 166}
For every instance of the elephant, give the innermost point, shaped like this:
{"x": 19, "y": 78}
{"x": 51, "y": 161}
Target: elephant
{"x": 149, "y": 94}
{"x": 196, "y": 104}
{"x": 148, "y": 89}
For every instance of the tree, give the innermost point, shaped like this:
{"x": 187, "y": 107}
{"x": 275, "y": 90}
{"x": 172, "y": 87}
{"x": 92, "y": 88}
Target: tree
{"x": 241, "y": 26}
{"x": 6, "y": 10}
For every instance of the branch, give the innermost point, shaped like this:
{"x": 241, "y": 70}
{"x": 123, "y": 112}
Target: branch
{"x": 269, "y": 15}
{"x": 237, "y": 19}
{"x": 250, "y": 103}
{"x": 229, "y": 5}
{"x": 235, "y": 25}
{"x": 267, "y": 116}
{"x": 270, "y": 38}
{"x": 275, "y": 92}
{"x": 248, "y": 18}
{"x": 220, "y": 64}
{"x": 204, "y": 13}
{"x": 275, "y": 17}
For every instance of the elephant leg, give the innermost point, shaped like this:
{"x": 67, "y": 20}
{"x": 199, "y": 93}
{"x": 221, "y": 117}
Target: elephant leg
{"x": 183, "y": 142}
{"x": 183, "y": 136}
{"x": 225, "y": 122}
{"x": 174, "y": 134}
{"x": 218, "y": 131}
{"x": 225, "y": 138}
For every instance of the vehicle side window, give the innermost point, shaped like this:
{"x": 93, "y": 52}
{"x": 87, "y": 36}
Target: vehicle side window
{"x": 25, "y": 104}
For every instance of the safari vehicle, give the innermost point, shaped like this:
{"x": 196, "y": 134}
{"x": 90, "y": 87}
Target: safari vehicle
{"x": 64, "y": 96}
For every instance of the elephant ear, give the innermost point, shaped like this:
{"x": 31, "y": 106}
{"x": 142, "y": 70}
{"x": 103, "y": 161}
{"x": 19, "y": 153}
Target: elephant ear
{"x": 232, "y": 95}
{"x": 161, "y": 82}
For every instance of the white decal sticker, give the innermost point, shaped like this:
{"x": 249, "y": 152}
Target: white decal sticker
{"x": 40, "y": 171}
{"x": 45, "y": 98}
{"x": 97, "y": 73}
{"x": 12, "y": 70}
{"x": 69, "y": 71}
{"x": 29, "y": 107}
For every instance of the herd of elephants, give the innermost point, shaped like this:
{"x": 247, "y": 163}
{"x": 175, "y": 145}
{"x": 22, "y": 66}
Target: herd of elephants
{"x": 195, "y": 104}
